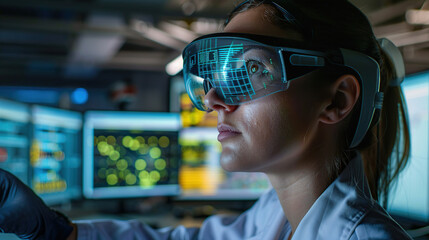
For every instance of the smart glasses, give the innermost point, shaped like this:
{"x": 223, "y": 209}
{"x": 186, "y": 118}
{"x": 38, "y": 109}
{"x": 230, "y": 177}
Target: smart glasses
{"x": 244, "y": 67}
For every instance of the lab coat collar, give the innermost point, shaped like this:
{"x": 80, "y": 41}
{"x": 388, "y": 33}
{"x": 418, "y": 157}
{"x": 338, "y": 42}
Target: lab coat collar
{"x": 340, "y": 207}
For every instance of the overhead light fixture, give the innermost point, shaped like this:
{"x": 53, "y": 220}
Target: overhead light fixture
{"x": 417, "y": 17}
{"x": 150, "y": 32}
{"x": 175, "y": 66}
{"x": 177, "y": 31}
{"x": 189, "y": 8}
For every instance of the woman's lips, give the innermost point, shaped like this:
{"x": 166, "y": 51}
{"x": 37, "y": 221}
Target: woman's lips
{"x": 226, "y": 131}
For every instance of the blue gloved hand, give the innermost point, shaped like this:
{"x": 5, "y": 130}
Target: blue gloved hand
{"x": 23, "y": 213}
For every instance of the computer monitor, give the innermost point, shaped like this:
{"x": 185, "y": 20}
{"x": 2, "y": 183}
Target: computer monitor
{"x": 409, "y": 197}
{"x": 202, "y": 177}
{"x": 14, "y": 138}
{"x": 131, "y": 154}
{"x": 56, "y": 154}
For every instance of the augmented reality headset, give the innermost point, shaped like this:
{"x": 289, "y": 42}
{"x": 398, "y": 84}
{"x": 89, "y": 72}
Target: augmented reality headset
{"x": 244, "y": 67}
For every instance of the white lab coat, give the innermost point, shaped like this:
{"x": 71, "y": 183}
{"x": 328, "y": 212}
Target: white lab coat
{"x": 345, "y": 210}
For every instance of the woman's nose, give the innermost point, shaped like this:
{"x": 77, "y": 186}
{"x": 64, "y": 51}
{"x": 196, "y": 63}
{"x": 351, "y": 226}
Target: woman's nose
{"x": 213, "y": 102}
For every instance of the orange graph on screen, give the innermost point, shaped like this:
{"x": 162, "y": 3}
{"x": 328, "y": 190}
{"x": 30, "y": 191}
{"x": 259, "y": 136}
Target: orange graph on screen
{"x": 45, "y": 159}
{"x": 204, "y": 179}
{"x": 197, "y": 172}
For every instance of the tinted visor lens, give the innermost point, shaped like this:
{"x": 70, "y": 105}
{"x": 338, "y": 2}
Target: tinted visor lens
{"x": 239, "y": 70}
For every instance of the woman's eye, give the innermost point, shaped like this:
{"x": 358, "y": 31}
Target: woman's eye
{"x": 254, "y": 66}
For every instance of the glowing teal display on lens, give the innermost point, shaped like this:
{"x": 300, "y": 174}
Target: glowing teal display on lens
{"x": 239, "y": 70}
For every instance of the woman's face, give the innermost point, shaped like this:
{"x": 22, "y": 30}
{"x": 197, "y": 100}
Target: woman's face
{"x": 270, "y": 133}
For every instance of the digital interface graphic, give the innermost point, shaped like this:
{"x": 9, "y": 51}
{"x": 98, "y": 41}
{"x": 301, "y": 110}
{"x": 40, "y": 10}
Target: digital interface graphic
{"x": 14, "y": 135}
{"x": 132, "y": 158}
{"x": 238, "y": 69}
{"x": 55, "y": 154}
{"x": 202, "y": 177}
{"x": 131, "y": 154}
{"x": 232, "y": 79}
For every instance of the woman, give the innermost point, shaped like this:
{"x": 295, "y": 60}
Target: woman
{"x": 295, "y": 85}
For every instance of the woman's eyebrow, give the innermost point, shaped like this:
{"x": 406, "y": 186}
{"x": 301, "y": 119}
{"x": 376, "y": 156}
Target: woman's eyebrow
{"x": 266, "y": 53}
{"x": 253, "y": 48}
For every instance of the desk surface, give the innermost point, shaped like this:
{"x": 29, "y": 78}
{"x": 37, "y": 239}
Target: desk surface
{"x": 156, "y": 221}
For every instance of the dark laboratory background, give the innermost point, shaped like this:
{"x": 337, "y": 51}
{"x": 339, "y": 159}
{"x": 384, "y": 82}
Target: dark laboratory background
{"x": 95, "y": 119}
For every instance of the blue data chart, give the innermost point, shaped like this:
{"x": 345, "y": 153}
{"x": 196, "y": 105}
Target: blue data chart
{"x": 131, "y": 154}
{"x": 55, "y": 154}
{"x": 14, "y": 135}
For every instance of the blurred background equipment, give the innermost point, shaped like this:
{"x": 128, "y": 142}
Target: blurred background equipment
{"x": 202, "y": 177}
{"x": 130, "y": 154}
{"x": 123, "y": 93}
{"x": 409, "y": 197}
{"x": 55, "y": 154}
{"x": 14, "y": 138}
{"x": 90, "y": 43}
{"x": 85, "y": 87}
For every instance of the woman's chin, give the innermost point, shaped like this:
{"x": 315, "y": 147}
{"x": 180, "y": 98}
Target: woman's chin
{"x": 230, "y": 161}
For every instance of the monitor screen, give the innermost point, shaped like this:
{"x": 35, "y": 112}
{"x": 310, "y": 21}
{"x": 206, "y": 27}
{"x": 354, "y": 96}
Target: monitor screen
{"x": 410, "y": 196}
{"x": 55, "y": 154}
{"x": 131, "y": 154}
{"x": 202, "y": 177}
{"x": 14, "y": 140}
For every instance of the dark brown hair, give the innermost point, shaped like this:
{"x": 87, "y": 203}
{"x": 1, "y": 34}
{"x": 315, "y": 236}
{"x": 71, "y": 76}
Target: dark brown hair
{"x": 385, "y": 148}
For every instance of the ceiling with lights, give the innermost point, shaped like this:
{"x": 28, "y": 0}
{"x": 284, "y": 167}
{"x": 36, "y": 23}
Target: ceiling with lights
{"x": 58, "y": 43}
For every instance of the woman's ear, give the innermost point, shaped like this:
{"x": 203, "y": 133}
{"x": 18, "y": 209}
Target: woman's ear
{"x": 346, "y": 91}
